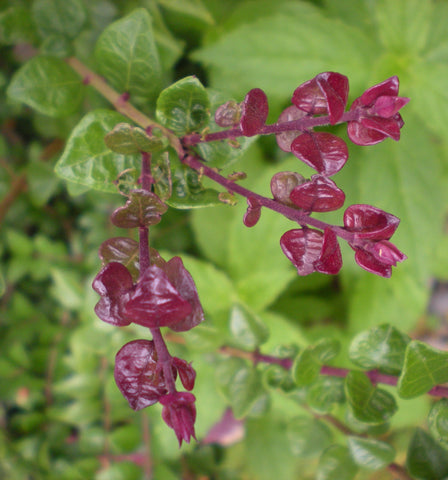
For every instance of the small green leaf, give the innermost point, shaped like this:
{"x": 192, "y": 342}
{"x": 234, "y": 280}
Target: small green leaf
{"x": 47, "y": 84}
{"x": 16, "y": 25}
{"x": 307, "y": 365}
{"x": 187, "y": 189}
{"x": 56, "y": 45}
{"x": 56, "y": 17}
{"x": 42, "y": 182}
{"x": 370, "y": 453}
{"x": 438, "y": 421}
{"x": 126, "y": 139}
{"x": 424, "y": 367}
{"x": 127, "y": 56}
{"x": 184, "y": 106}
{"x": 142, "y": 209}
{"x": 336, "y": 464}
{"x": 247, "y": 329}
{"x": 277, "y": 377}
{"x": 381, "y": 348}
{"x": 325, "y": 393}
{"x": 368, "y": 404}
{"x": 426, "y": 459}
{"x": 86, "y": 159}
{"x": 308, "y": 437}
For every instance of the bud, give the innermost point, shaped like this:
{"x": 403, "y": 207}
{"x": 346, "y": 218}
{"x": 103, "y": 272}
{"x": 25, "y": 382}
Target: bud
{"x": 179, "y": 413}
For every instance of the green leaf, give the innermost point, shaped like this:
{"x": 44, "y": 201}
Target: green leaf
{"x": 86, "y": 159}
{"x": 381, "y": 348}
{"x": 121, "y": 249}
{"x": 55, "y": 17}
{"x": 336, "y": 464}
{"x": 438, "y": 421}
{"x": 187, "y": 189}
{"x": 325, "y": 393}
{"x": 2, "y": 284}
{"x": 127, "y": 56}
{"x": 47, "y": 84}
{"x": 308, "y": 437}
{"x": 370, "y": 453}
{"x": 42, "y": 182}
{"x": 424, "y": 367}
{"x": 66, "y": 288}
{"x": 248, "y": 330}
{"x": 16, "y": 25}
{"x": 193, "y": 8}
{"x": 184, "y": 106}
{"x": 308, "y": 363}
{"x": 283, "y": 46}
{"x": 426, "y": 459}
{"x": 368, "y": 404}
{"x": 399, "y": 29}
{"x": 126, "y": 139}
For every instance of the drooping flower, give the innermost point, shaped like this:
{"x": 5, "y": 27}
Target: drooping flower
{"x": 179, "y": 413}
{"x": 378, "y": 116}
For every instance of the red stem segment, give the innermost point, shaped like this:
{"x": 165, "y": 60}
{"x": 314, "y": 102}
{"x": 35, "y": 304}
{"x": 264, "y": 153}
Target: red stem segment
{"x": 293, "y": 214}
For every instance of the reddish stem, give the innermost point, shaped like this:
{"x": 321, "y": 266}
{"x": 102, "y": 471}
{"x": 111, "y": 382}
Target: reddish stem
{"x": 291, "y": 213}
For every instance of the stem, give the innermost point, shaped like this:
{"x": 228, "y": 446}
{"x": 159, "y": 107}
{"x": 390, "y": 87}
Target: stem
{"x": 163, "y": 356}
{"x": 289, "y": 212}
{"x": 120, "y": 102}
{"x": 299, "y": 125}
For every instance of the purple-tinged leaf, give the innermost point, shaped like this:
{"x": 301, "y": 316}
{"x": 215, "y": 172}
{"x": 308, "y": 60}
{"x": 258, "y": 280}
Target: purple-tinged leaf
{"x": 123, "y": 250}
{"x": 388, "y": 88}
{"x": 385, "y": 252}
{"x": 114, "y": 284}
{"x": 183, "y": 282}
{"x": 389, "y": 127}
{"x": 369, "y": 222}
{"x": 186, "y": 373}
{"x": 387, "y": 107}
{"x": 254, "y": 112}
{"x": 325, "y": 93}
{"x": 253, "y": 212}
{"x": 289, "y": 114}
{"x": 137, "y": 375}
{"x": 368, "y": 262}
{"x": 303, "y": 248}
{"x": 330, "y": 260}
{"x": 283, "y": 183}
{"x": 179, "y": 413}
{"x": 320, "y": 194}
{"x": 322, "y": 151}
{"x": 228, "y": 114}
{"x": 363, "y": 136}
{"x": 155, "y": 302}
{"x": 142, "y": 209}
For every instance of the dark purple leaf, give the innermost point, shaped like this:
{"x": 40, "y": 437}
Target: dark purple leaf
{"x": 330, "y": 260}
{"x": 137, "y": 375}
{"x": 284, "y": 139}
{"x": 303, "y": 248}
{"x": 142, "y": 209}
{"x": 385, "y": 252}
{"x": 254, "y": 112}
{"x": 325, "y": 93}
{"x": 283, "y": 183}
{"x": 368, "y": 262}
{"x": 387, "y": 107}
{"x": 183, "y": 282}
{"x": 320, "y": 194}
{"x": 179, "y": 413}
{"x": 186, "y": 372}
{"x": 253, "y": 212}
{"x": 155, "y": 302}
{"x": 322, "y": 151}
{"x": 114, "y": 284}
{"x": 388, "y": 127}
{"x": 388, "y": 88}
{"x": 370, "y": 222}
{"x": 361, "y": 135}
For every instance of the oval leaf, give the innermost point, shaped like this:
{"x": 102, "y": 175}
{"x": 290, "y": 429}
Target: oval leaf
{"x": 370, "y": 453}
{"x": 48, "y": 85}
{"x": 323, "y": 151}
{"x": 254, "y": 112}
{"x": 320, "y": 194}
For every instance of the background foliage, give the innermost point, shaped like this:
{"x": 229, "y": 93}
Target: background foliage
{"x": 60, "y": 411}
